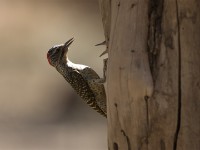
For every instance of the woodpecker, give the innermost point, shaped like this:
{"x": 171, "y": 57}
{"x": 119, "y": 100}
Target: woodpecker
{"x": 103, "y": 80}
{"x": 83, "y": 79}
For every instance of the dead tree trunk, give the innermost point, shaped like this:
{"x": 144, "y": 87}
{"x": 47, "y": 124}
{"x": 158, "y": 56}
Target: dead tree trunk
{"x": 153, "y": 75}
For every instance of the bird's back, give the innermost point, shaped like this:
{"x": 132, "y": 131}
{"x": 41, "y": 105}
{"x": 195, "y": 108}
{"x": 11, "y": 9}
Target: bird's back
{"x": 82, "y": 79}
{"x": 98, "y": 89}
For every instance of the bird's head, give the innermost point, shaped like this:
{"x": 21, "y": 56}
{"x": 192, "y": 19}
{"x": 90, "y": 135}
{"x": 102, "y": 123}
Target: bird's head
{"x": 57, "y": 53}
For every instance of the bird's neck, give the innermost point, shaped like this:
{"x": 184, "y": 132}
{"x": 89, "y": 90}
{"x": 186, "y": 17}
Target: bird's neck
{"x": 75, "y": 66}
{"x": 66, "y": 66}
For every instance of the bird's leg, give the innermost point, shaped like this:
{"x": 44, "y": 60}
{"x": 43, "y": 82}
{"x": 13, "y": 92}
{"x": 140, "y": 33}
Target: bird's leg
{"x": 103, "y": 80}
{"x": 105, "y": 69}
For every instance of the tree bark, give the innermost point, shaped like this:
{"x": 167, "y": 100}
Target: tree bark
{"x": 153, "y": 76}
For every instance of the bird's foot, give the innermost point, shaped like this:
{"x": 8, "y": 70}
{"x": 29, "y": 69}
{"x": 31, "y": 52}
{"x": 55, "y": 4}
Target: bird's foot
{"x": 103, "y": 80}
{"x": 100, "y": 81}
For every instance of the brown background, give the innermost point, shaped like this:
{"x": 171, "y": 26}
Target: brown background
{"x": 38, "y": 109}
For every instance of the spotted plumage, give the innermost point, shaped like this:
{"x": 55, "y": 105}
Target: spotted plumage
{"x": 82, "y": 78}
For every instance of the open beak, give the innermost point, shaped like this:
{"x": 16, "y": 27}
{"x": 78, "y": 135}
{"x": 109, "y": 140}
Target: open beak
{"x": 67, "y": 44}
{"x": 65, "y": 49}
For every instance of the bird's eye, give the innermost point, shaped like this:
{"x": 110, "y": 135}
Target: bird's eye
{"x": 51, "y": 52}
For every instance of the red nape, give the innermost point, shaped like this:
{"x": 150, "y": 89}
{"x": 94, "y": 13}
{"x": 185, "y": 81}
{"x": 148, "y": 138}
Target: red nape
{"x": 48, "y": 59}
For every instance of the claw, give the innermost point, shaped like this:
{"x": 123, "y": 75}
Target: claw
{"x": 103, "y": 80}
{"x": 100, "y": 81}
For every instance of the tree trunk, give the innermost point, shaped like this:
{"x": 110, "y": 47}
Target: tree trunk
{"x": 153, "y": 76}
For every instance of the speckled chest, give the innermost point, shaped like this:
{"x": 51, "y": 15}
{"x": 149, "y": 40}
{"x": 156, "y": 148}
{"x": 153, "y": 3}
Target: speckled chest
{"x": 77, "y": 81}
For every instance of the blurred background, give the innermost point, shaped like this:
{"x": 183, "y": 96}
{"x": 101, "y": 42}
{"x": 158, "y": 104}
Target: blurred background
{"x": 38, "y": 108}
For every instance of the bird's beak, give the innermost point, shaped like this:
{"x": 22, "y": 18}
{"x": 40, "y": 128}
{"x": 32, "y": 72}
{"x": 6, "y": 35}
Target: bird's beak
{"x": 67, "y": 44}
{"x": 64, "y": 49}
